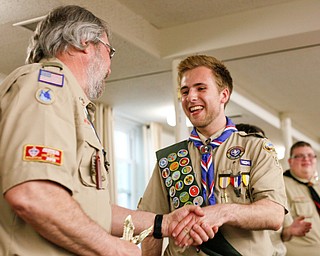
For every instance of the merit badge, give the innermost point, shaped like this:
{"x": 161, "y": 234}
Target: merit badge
{"x": 172, "y": 157}
{"x": 172, "y": 191}
{"x": 235, "y": 152}
{"x": 188, "y": 179}
{"x": 168, "y": 182}
{"x": 184, "y": 197}
{"x": 184, "y": 161}
{"x": 37, "y": 153}
{"x": 198, "y": 200}
{"x": 179, "y": 185}
{"x": 45, "y": 96}
{"x": 165, "y": 173}
{"x": 176, "y": 175}
{"x": 194, "y": 190}
{"x": 182, "y": 153}
{"x": 186, "y": 169}
{"x": 52, "y": 78}
{"x": 176, "y": 202}
{"x": 174, "y": 166}
{"x": 163, "y": 162}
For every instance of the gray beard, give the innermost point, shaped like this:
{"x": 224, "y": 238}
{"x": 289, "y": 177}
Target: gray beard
{"x": 96, "y": 83}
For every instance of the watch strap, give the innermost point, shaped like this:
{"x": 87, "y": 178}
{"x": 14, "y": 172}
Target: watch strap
{"x": 157, "y": 226}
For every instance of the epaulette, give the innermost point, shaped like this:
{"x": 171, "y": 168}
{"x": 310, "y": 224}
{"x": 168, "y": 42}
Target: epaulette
{"x": 52, "y": 64}
{"x": 255, "y": 134}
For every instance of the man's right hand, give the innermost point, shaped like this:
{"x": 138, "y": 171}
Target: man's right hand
{"x": 185, "y": 226}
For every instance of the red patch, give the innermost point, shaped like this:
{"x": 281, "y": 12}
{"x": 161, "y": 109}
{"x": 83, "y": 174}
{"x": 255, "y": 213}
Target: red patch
{"x": 36, "y": 153}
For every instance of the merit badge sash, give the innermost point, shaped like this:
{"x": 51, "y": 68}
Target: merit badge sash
{"x": 178, "y": 176}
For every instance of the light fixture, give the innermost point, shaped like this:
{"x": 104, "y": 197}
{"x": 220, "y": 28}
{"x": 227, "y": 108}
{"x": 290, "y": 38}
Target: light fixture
{"x": 29, "y": 24}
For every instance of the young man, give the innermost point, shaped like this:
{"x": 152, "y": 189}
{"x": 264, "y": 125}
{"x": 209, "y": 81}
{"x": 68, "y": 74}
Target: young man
{"x": 303, "y": 192}
{"x": 53, "y": 172}
{"x": 236, "y": 178}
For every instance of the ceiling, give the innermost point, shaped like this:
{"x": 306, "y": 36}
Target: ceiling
{"x": 272, "y": 49}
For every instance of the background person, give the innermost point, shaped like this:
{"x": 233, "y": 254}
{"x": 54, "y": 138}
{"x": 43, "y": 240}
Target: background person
{"x": 242, "y": 192}
{"x": 303, "y": 192}
{"x": 53, "y": 171}
{"x": 290, "y": 228}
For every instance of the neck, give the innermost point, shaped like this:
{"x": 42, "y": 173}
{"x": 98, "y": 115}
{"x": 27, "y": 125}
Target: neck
{"x": 213, "y": 128}
{"x": 73, "y": 60}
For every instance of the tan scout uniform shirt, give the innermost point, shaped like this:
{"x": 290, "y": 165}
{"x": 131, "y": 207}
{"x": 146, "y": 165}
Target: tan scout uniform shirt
{"x": 45, "y": 134}
{"x": 265, "y": 182}
{"x": 301, "y": 204}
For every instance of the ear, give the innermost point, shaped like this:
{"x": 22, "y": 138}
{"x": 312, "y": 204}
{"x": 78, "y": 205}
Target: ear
{"x": 86, "y": 46}
{"x": 225, "y": 95}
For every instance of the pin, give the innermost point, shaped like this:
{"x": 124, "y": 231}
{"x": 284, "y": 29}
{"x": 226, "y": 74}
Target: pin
{"x": 205, "y": 149}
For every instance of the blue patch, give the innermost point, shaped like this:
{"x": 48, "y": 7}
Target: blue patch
{"x": 245, "y": 162}
{"x": 45, "y": 96}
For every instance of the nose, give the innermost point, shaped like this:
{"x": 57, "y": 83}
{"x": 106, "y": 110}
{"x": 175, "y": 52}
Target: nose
{"x": 108, "y": 72}
{"x": 192, "y": 95}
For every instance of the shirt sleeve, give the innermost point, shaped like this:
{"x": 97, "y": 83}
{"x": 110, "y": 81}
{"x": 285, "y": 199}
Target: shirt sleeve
{"x": 37, "y": 134}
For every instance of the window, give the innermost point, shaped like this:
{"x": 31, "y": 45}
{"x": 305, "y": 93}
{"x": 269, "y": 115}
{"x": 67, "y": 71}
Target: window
{"x": 129, "y": 165}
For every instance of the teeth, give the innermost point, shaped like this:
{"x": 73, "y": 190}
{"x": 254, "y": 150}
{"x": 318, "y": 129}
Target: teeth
{"x": 195, "y": 108}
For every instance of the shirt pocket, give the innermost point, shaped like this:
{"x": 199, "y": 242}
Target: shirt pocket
{"x": 89, "y": 164}
{"x": 302, "y": 207}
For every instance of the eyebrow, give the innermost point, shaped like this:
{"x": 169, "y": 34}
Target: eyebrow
{"x": 194, "y": 85}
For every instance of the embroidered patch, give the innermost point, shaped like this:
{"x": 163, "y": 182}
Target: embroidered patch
{"x": 36, "y": 153}
{"x": 172, "y": 157}
{"x": 45, "y": 96}
{"x": 163, "y": 162}
{"x": 52, "y": 78}
{"x": 235, "y": 152}
{"x": 245, "y": 162}
{"x": 194, "y": 191}
{"x": 268, "y": 146}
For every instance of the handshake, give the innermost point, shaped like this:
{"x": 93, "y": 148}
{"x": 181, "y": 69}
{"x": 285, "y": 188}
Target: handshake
{"x": 186, "y": 225}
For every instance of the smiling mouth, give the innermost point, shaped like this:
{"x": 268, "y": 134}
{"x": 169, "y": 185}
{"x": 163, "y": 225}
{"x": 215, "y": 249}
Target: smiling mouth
{"x": 195, "y": 108}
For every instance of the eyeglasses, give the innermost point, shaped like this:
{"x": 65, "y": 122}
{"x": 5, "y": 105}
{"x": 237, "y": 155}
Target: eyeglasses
{"x": 303, "y": 156}
{"x": 112, "y": 50}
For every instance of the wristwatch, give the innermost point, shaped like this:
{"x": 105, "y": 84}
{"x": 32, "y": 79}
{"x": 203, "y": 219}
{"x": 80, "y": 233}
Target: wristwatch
{"x": 157, "y": 226}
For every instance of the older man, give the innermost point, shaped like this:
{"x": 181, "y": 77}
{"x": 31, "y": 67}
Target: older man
{"x": 53, "y": 173}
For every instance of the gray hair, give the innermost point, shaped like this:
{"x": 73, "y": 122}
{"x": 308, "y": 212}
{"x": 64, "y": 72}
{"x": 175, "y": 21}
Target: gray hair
{"x": 63, "y": 27}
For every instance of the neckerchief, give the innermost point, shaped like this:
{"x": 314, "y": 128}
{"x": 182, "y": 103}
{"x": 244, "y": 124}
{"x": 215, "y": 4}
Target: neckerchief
{"x": 207, "y": 166}
{"x": 314, "y": 195}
